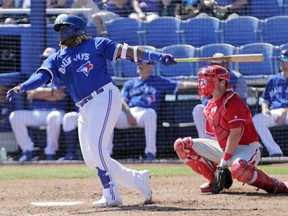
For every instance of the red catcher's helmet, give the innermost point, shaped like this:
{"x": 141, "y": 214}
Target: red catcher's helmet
{"x": 207, "y": 76}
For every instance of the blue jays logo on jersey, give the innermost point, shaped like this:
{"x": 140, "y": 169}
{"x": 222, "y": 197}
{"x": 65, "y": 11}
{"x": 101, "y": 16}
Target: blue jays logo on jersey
{"x": 85, "y": 68}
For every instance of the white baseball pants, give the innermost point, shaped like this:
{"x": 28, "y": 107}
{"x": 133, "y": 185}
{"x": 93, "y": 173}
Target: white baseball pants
{"x": 262, "y": 124}
{"x": 146, "y": 118}
{"x": 200, "y": 121}
{"x": 52, "y": 119}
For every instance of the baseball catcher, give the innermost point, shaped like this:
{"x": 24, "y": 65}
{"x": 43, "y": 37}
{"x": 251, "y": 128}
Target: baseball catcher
{"x": 234, "y": 152}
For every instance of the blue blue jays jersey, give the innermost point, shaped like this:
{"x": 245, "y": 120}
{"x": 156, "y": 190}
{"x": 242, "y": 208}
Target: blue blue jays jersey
{"x": 83, "y": 68}
{"x": 276, "y": 92}
{"x": 148, "y": 93}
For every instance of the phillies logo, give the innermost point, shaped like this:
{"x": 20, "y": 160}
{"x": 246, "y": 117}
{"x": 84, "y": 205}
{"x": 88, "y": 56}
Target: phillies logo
{"x": 85, "y": 68}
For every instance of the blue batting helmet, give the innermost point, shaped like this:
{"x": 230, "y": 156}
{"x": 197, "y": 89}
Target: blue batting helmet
{"x": 284, "y": 56}
{"x": 76, "y": 25}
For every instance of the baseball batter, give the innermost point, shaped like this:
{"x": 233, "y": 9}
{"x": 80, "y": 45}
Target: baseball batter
{"x": 81, "y": 64}
{"x": 236, "y": 142}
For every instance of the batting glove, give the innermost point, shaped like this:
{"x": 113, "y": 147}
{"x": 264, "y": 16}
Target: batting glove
{"x": 167, "y": 59}
{"x": 13, "y": 93}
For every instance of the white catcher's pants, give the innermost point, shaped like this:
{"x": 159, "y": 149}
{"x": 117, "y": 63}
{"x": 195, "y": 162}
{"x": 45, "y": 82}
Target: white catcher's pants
{"x": 200, "y": 121}
{"x": 146, "y": 118}
{"x": 96, "y": 121}
{"x": 21, "y": 119}
{"x": 262, "y": 123}
{"x": 211, "y": 150}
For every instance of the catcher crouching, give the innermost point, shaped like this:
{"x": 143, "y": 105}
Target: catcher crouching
{"x": 235, "y": 142}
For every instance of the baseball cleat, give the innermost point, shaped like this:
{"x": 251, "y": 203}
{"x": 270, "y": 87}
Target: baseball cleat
{"x": 104, "y": 203}
{"x": 110, "y": 198}
{"x": 206, "y": 187}
{"x": 145, "y": 186}
{"x": 281, "y": 187}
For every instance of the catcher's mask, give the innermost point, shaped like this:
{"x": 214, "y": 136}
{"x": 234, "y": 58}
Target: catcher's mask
{"x": 207, "y": 77}
{"x": 75, "y": 25}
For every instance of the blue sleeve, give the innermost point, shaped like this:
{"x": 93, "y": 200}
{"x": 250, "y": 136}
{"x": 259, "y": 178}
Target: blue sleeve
{"x": 266, "y": 93}
{"x": 36, "y": 80}
{"x": 125, "y": 91}
{"x": 106, "y": 47}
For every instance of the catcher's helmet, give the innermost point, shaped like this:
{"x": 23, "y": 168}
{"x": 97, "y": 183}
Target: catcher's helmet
{"x": 207, "y": 76}
{"x": 284, "y": 56}
{"x": 76, "y": 25}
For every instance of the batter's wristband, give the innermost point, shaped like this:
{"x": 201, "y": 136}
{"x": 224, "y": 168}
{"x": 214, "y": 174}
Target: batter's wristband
{"x": 226, "y": 156}
{"x": 151, "y": 56}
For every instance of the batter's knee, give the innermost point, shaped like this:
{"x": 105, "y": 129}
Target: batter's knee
{"x": 242, "y": 171}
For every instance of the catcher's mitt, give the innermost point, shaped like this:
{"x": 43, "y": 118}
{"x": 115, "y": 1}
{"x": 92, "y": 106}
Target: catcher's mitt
{"x": 222, "y": 179}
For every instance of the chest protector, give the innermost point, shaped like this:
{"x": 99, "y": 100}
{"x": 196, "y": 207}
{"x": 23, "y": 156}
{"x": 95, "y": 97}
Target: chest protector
{"x": 217, "y": 119}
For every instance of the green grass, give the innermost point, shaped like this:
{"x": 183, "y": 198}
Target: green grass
{"x": 8, "y": 172}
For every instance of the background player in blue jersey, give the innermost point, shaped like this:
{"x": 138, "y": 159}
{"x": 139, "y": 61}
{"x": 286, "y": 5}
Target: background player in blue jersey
{"x": 274, "y": 107}
{"x": 81, "y": 64}
{"x": 142, "y": 97}
{"x": 46, "y": 107}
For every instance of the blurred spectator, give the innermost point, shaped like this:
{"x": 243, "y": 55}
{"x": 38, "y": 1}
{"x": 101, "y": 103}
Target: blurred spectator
{"x": 47, "y": 107}
{"x": 69, "y": 125}
{"x": 147, "y": 10}
{"x": 274, "y": 107}
{"x": 93, "y": 4}
{"x": 50, "y": 18}
{"x": 221, "y": 9}
{"x": 187, "y": 9}
{"x": 16, "y": 18}
{"x": 112, "y": 10}
{"x": 141, "y": 101}
{"x": 170, "y": 7}
{"x": 238, "y": 83}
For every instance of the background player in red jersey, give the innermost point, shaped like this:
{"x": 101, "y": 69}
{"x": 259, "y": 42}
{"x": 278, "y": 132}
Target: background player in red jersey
{"x": 236, "y": 142}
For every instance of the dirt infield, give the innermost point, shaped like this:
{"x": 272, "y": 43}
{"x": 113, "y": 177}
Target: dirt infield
{"x": 171, "y": 196}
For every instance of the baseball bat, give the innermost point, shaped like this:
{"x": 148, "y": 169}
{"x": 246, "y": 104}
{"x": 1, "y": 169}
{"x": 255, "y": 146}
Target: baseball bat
{"x": 229, "y": 58}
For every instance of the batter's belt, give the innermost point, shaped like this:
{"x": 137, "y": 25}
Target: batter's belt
{"x": 85, "y": 100}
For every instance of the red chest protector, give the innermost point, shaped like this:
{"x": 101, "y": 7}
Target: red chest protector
{"x": 215, "y": 113}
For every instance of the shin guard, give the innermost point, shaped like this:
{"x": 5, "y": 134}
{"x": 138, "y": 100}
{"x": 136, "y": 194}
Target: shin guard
{"x": 185, "y": 152}
{"x": 247, "y": 173}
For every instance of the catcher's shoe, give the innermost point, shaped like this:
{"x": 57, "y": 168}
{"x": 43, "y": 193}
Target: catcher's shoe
{"x": 281, "y": 187}
{"x": 207, "y": 187}
{"x": 145, "y": 186}
{"x": 109, "y": 199}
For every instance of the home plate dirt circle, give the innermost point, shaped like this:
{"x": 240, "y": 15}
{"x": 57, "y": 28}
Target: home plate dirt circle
{"x": 55, "y": 203}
